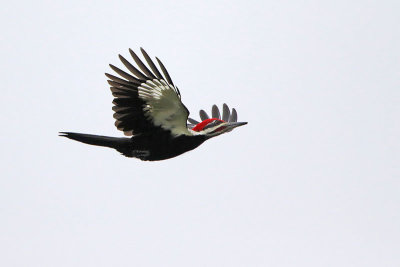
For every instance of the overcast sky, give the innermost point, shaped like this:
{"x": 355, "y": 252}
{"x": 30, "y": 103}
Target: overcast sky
{"x": 312, "y": 180}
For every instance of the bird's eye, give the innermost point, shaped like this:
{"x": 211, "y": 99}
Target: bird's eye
{"x": 213, "y": 124}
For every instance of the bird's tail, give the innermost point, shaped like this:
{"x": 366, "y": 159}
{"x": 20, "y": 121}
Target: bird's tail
{"x": 118, "y": 143}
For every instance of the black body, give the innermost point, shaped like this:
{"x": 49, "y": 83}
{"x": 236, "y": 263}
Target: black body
{"x": 152, "y": 146}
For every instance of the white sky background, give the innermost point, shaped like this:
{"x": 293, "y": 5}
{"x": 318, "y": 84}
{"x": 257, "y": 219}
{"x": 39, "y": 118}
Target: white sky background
{"x": 312, "y": 180}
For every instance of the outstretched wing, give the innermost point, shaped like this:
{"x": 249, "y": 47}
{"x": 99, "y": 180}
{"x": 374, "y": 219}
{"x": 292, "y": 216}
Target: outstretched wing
{"x": 227, "y": 115}
{"x": 146, "y": 101}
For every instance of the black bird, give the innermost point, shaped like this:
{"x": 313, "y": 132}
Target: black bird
{"x": 148, "y": 107}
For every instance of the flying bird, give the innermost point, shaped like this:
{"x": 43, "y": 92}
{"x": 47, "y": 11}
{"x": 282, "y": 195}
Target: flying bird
{"x": 148, "y": 109}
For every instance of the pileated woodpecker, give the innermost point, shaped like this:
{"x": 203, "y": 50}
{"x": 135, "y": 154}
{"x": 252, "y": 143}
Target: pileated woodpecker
{"x": 148, "y": 107}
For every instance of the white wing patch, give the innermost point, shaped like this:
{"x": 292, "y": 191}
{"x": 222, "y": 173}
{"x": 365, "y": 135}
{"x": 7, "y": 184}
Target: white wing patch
{"x": 163, "y": 106}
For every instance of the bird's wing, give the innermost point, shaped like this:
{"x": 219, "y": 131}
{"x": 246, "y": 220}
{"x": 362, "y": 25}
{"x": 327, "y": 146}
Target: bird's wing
{"x": 227, "y": 115}
{"x": 145, "y": 100}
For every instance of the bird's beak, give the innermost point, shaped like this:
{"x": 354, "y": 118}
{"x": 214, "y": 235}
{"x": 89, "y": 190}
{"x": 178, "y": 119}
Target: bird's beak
{"x": 232, "y": 125}
{"x": 236, "y": 124}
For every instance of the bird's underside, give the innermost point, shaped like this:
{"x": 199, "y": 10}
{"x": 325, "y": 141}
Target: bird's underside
{"x": 148, "y": 108}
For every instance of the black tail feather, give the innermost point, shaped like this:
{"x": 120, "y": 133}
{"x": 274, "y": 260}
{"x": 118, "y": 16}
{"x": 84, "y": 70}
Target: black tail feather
{"x": 118, "y": 143}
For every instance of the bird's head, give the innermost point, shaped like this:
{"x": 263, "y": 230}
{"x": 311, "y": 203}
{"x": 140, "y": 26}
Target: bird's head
{"x": 217, "y": 124}
{"x": 214, "y": 127}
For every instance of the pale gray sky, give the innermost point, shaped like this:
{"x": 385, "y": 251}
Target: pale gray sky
{"x": 312, "y": 180}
